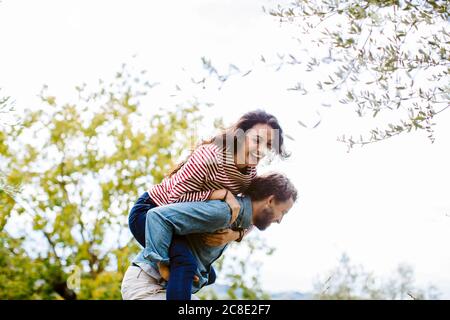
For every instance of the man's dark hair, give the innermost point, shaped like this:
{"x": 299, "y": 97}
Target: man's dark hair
{"x": 272, "y": 183}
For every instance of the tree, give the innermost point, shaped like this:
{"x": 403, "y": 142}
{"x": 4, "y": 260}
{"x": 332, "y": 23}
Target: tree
{"x": 80, "y": 167}
{"x": 351, "y": 282}
{"x": 6, "y": 109}
{"x": 378, "y": 55}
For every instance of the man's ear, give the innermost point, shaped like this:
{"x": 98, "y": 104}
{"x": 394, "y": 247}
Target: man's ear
{"x": 271, "y": 200}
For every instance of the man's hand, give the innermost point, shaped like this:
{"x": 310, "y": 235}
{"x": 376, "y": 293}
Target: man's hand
{"x": 220, "y": 237}
{"x": 164, "y": 272}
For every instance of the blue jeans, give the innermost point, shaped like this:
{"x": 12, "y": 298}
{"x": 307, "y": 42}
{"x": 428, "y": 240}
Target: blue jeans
{"x": 182, "y": 262}
{"x": 138, "y": 215}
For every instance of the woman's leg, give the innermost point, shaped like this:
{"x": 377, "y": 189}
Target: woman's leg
{"x": 182, "y": 262}
{"x": 182, "y": 269}
{"x": 138, "y": 216}
{"x": 211, "y": 276}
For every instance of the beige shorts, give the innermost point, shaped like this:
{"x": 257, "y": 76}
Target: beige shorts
{"x": 138, "y": 285}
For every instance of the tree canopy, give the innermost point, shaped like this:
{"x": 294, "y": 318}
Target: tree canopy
{"x": 77, "y": 169}
{"x": 380, "y": 56}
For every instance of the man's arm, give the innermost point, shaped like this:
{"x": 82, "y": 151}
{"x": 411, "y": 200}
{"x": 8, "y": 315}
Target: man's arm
{"x": 181, "y": 218}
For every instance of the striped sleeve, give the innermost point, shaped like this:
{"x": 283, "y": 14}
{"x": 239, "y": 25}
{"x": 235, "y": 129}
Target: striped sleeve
{"x": 188, "y": 182}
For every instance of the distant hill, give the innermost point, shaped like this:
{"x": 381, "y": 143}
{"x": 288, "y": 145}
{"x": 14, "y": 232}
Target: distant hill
{"x": 221, "y": 291}
{"x": 291, "y": 295}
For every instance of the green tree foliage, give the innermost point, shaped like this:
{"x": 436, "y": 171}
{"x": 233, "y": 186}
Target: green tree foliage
{"x": 80, "y": 167}
{"x": 381, "y": 56}
{"x": 351, "y": 282}
{"x": 5, "y": 110}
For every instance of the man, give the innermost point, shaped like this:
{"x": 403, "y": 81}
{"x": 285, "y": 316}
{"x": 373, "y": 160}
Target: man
{"x": 267, "y": 200}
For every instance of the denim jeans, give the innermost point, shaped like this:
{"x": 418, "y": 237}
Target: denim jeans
{"x": 182, "y": 262}
{"x": 137, "y": 217}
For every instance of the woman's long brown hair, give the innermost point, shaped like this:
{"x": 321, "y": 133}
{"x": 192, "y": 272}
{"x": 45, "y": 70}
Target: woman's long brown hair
{"x": 245, "y": 123}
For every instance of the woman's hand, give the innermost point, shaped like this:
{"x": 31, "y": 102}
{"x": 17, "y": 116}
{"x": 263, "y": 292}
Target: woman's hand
{"x": 230, "y": 199}
{"x": 220, "y": 238}
{"x": 234, "y": 206}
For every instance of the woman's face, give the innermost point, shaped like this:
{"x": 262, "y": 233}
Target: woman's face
{"x": 258, "y": 142}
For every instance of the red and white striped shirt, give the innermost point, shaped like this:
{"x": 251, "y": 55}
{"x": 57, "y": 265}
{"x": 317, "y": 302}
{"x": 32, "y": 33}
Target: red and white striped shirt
{"x": 209, "y": 168}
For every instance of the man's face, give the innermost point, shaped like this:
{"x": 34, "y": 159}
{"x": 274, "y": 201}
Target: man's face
{"x": 272, "y": 212}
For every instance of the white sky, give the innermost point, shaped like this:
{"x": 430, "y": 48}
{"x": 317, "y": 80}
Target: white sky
{"x": 384, "y": 204}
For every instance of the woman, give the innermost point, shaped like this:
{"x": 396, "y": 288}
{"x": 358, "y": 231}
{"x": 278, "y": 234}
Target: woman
{"x": 218, "y": 169}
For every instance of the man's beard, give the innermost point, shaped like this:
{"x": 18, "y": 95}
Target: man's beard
{"x": 264, "y": 218}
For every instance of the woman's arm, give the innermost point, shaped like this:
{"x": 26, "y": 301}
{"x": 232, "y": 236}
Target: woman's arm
{"x": 230, "y": 199}
{"x": 220, "y": 238}
{"x": 218, "y": 194}
{"x": 188, "y": 182}
{"x": 225, "y": 236}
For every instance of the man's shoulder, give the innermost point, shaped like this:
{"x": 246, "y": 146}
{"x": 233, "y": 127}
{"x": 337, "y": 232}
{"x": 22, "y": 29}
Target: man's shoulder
{"x": 218, "y": 210}
{"x": 244, "y": 199}
{"x": 218, "y": 205}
